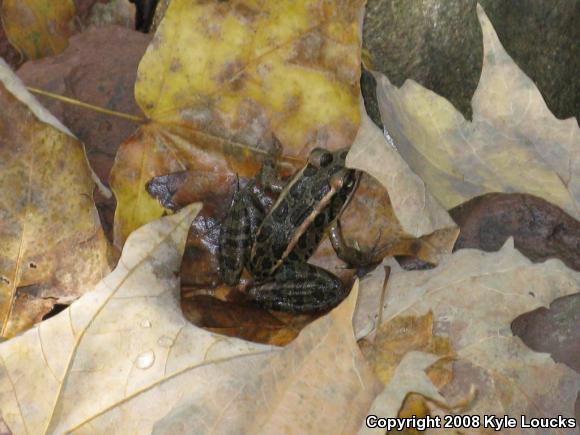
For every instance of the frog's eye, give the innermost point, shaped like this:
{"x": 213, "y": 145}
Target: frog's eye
{"x": 349, "y": 183}
{"x": 320, "y": 157}
{"x": 325, "y": 159}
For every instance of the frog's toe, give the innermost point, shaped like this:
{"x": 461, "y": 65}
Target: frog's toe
{"x": 299, "y": 288}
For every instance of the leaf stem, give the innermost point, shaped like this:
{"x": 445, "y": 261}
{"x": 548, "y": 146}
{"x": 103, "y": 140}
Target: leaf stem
{"x": 87, "y": 105}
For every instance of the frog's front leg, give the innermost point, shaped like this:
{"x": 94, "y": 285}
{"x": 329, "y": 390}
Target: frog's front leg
{"x": 299, "y": 288}
{"x": 349, "y": 254}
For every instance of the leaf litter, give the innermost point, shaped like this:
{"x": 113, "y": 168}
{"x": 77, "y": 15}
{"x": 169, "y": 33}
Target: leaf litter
{"x": 470, "y": 297}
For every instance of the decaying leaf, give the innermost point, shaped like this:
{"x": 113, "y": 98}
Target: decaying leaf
{"x": 122, "y": 359}
{"x": 513, "y": 143}
{"x": 474, "y": 296}
{"x": 38, "y": 28}
{"x": 51, "y": 238}
{"x": 222, "y": 77}
{"x": 540, "y": 229}
{"x": 99, "y": 67}
{"x": 400, "y": 336}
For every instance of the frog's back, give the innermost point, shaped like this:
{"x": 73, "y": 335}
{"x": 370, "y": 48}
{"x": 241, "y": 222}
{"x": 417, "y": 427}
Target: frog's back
{"x": 296, "y": 224}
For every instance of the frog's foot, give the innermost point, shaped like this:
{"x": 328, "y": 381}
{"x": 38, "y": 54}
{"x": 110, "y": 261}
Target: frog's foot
{"x": 299, "y": 288}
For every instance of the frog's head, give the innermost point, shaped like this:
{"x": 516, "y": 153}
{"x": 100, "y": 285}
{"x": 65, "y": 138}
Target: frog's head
{"x": 330, "y": 165}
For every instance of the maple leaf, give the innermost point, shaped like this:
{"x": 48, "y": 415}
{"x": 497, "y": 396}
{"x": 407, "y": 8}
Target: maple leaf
{"x": 513, "y": 143}
{"x": 52, "y": 240}
{"x": 241, "y": 76}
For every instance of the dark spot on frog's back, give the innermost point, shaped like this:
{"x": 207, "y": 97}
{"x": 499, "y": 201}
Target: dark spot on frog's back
{"x": 278, "y": 250}
{"x": 320, "y": 220}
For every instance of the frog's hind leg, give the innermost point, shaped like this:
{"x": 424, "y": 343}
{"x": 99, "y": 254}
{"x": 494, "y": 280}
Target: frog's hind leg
{"x": 238, "y": 230}
{"x": 299, "y": 288}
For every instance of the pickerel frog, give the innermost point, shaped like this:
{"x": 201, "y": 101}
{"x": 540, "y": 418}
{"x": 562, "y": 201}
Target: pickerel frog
{"x": 274, "y": 242}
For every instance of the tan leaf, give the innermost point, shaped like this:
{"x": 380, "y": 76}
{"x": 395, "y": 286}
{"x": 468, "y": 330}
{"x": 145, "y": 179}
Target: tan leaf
{"x": 513, "y": 143}
{"x": 52, "y": 240}
{"x": 122, "y": 359}
{"x": 410, "y": 220}
{"x": 320, "y": 383}
{"x": 474, "y": 296}
{"x": 409, "y": 377}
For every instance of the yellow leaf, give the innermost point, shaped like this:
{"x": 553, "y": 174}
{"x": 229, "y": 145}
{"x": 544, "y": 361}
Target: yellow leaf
{"x": 296, "y": 62}
{"x": 220, "y": 78}
{"x": 38, "y": 28}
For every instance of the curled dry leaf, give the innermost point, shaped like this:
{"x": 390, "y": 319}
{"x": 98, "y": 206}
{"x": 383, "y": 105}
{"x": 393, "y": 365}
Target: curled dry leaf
{"x": 474, "y": 296}
{"x": 408, "y": 220}
{"x": 38, "y": 28}
{"x": 513, "y": 143}
{"x": 52, "y": 241}
{"x": 222, "y": 77}
{"x": 122, "y": 359}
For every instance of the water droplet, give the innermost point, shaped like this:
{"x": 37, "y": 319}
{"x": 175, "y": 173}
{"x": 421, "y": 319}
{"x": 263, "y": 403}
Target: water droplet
{"x": 165, "y": 341}
{"x": 145, "y": 324}
{"x": 145, "y": 360}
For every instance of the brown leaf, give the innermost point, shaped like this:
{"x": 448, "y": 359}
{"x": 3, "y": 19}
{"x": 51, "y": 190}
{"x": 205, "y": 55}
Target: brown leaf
{"x": 395, "y": 338}
{"x": 540, "y": 230}
{"x": 52, "y": 241}
{"x": 554, "y": 330}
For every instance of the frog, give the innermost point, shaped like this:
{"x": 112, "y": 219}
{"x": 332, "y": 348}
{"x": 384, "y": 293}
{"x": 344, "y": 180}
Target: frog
{"x": 274, "y": 239}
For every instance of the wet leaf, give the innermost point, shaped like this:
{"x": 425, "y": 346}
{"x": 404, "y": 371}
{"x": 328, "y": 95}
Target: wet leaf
{"x": 97, "y": 365}
{"x": 474, "y": 296}
{"x": 52, "y": 241}
{"x": 513, "y": 143}
{"x": 38, "y": 28}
